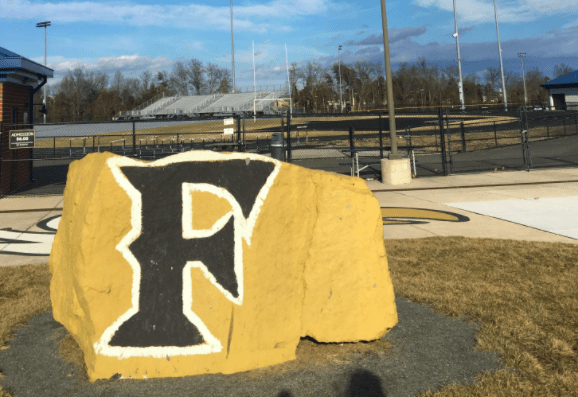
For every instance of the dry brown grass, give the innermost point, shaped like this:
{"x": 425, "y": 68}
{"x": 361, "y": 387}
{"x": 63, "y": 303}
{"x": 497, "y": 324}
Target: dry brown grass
{"x": 24, "y": 293}
{"x": 524, "y": 295}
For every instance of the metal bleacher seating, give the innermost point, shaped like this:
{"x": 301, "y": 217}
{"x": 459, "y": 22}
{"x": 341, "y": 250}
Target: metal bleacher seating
{"x": 214, "y": 103}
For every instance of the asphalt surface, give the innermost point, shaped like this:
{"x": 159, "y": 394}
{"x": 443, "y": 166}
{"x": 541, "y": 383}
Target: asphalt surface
{"x": 429, "y": 351}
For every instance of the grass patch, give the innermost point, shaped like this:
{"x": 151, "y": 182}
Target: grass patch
{"x": 524, "y": 295}
{"x": 24, "y": 293}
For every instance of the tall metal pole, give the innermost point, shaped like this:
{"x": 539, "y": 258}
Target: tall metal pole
{"x": 522, "y": 55}
{"x": 340, "y": 85}
{"x": 288, "y": 81}
{"x": 254, "y": 86}
{"x": 393, "y": 155}
{"x": 461, "y": 86}
{"x": 232, "y": 47}
{"x": 501, "y": 63}
{"x": 44, "y": 25}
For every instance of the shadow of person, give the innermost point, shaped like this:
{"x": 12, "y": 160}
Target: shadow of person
{"x": 284, "y": 393}
{"x": 364, "y": 384}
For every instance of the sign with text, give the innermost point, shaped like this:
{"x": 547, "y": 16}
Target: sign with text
{"x": 22, "y": 139}
{"x": 228, "y": 131}
{"x": 229, "y": 121}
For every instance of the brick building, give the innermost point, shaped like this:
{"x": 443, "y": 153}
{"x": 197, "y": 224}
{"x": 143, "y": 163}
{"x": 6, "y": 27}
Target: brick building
{"x": 20, "y": 79}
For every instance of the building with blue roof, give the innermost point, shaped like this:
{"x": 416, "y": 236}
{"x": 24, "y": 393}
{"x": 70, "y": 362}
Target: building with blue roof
{"x": 563, "y": 92}
{"x": 20, "y": 79}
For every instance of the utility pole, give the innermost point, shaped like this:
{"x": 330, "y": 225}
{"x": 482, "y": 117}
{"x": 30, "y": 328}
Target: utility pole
{"x": 501, "y": 63}
{"x": 340, "y": 86}
{"x": 44, "y": 25}
{"x": 522, "y": 55}
{"x": 455, "y": 35}
{"x": 393, "y": 155}
{"x": 232, "y": 47}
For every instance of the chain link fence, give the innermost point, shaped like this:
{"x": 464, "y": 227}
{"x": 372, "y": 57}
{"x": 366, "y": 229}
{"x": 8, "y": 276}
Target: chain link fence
{"x": 437, "y": 143}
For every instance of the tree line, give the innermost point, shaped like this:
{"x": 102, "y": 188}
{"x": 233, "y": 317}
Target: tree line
{"x": 92, "y": 96}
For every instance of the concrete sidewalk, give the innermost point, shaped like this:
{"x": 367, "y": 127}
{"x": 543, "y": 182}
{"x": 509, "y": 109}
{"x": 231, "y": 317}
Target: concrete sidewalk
{"x": 540, "y": 205}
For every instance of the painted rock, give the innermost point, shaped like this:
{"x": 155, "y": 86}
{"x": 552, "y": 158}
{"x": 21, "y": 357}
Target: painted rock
{"x": 214, "y": 263}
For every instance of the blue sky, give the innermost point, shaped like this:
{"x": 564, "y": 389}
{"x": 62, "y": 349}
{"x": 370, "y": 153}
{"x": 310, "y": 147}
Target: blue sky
{"x": 138, "y": 35}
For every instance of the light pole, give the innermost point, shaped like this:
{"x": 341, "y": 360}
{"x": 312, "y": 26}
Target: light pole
{"x": 340, "y": 86}
{"x": 501, "y": 64}
{"x": 455, "y": 35}
{"x": 232, "y": 47}
{"x": 393, "y": 155}
{"x": 44, "y": 25}
{"x": 522, "y": 55}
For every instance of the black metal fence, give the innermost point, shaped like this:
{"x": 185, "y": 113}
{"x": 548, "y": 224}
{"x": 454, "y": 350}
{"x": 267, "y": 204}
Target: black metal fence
{"x": 438, "y": 143}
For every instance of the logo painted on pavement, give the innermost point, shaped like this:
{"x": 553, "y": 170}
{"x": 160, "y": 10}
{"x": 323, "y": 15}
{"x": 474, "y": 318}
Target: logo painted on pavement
{"x": 22, "y": 242}
{"x": 418, "y": 216}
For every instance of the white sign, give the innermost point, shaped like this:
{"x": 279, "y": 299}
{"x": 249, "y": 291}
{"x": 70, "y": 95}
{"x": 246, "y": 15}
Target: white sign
{"x": 228, "y": 131}
{"x": 229, "y": 121}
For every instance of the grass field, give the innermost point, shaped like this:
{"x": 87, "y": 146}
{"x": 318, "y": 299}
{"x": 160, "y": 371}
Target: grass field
{"x": 523, "y": 294}
{"x": 263, "y": 129}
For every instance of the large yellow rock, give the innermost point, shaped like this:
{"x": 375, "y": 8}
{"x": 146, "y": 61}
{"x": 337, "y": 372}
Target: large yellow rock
{"x": 205, "y": 263}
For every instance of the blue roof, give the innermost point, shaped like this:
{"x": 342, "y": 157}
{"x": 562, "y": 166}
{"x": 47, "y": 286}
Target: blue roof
{"x": 567, "y": 79}
{"x": 12, "y": 62}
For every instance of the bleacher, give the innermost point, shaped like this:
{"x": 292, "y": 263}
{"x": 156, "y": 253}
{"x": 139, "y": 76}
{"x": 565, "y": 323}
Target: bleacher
{"x": 196, "y": 105}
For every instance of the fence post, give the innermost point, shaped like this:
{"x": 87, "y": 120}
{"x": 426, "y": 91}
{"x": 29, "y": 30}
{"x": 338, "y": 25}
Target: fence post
{"x": 495, "y": 134}
{"x": 54, "y": 146}
{"x": 564, "y": 122}
{"x": 575, "y": 123}
{"x": 289, "y": 155}
{"x": 442, "y": 141}
{"x": 436, "y": 136}
{"x": 524, "y": 136}
{"x": 463, "y": 133}
{"x": 351, "y": 141}
{"x": 239, "y": 131}
{"x": 133, "y": 138}
{"x": 408, "y": 131}
{"x": 380, "y": 138}
{"x": 449, "y": 141}
{"x": 244, "y": 135}
{"x": 547, "y": 127}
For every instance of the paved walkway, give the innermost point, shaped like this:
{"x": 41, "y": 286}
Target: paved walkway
{"x": 538, "y": 205}
{"x": 535, "y": 206}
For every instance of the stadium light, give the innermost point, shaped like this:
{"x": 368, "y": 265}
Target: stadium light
{"x": 456, "y": 36}
{"x": 340, "y": 85}
{"x": 393, "y": 155}
{"x": 44, "y": 25}
{"x": 522, "y": 55}
{"x": 501, "y": 64}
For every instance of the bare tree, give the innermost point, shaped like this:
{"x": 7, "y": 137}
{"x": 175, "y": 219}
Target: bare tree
{"x": 214, "y": 76}
{"x": 118, "y": 81}
{"x": 178, "y": 81}
{"x": 562, "y": 70}
{"x": 491, "y": 76}
{"x": 146, "y": 79}
{"x": 226, "y": 83}
{"x": 196, "y": 77}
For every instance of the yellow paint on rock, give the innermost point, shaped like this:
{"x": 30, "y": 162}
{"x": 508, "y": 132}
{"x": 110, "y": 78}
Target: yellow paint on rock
{"x": 207, "y": 209}
{"x": 316, "y": 266}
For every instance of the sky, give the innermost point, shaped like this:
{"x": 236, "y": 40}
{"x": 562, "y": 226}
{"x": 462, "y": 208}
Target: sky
{"x": 138, "y": 35}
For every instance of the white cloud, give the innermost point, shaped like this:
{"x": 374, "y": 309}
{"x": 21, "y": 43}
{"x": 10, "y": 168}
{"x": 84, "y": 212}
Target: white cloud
{"x": 512, "y": 11}
{"x": 191, "y": 16}
{"x": 129, "y": 65}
